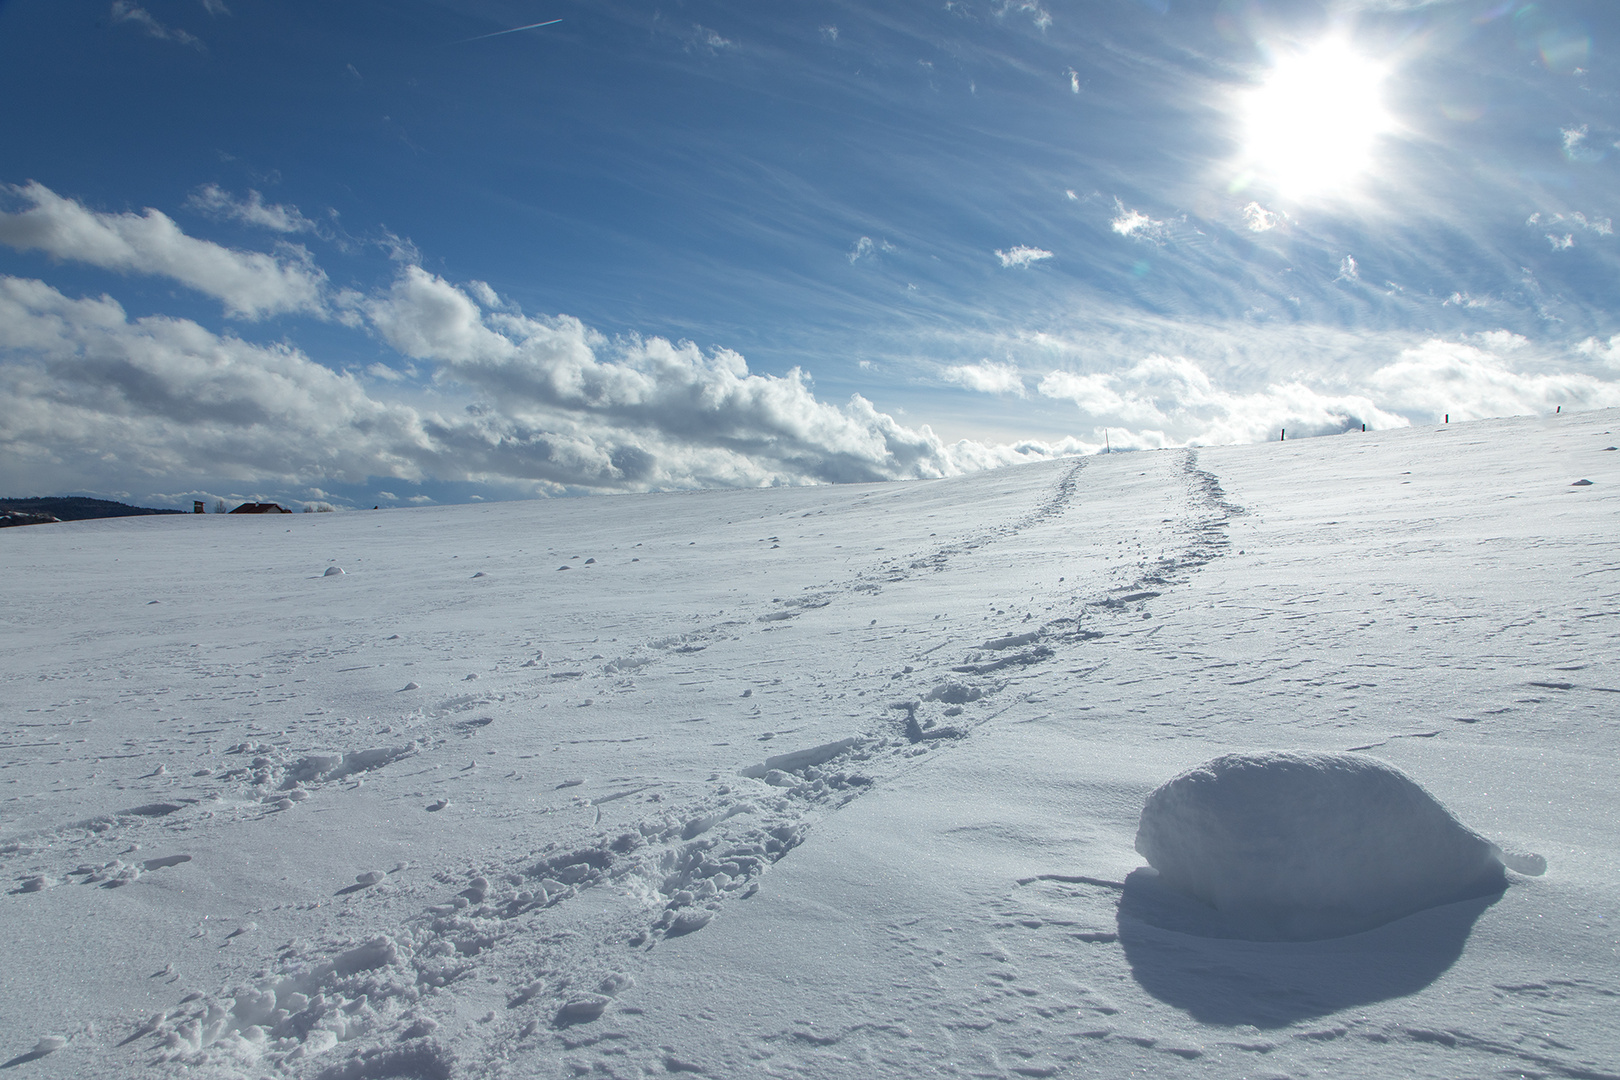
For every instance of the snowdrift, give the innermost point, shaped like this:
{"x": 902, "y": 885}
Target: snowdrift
{"x": 1298, "y": 845}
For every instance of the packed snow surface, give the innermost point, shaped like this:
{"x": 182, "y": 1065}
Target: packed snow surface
{"x": 1302, "y": 845}
{"x": 835, "y": 782}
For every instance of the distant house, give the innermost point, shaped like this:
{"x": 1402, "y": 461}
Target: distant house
{"x": 261, "y": 508}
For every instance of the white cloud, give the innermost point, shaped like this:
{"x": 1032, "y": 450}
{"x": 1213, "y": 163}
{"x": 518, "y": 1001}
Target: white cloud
{"x": 165, "y": 397}
{"x": 1390, "y": 5}
{"x": 708, "y": 39}
{"x": 214, "y": 201}
{"x": 1259, "y": 219}
{"x": 1576, "y": 147}
{"x": 251, "y": 284}
{"x": 126, "y": 11}
{"x": 89, "y": 397}
{"x": 681, "y": 417}
{"x": 425, "y": 317}
{"x": 1022, "y": 257}
{"x": 215, "y": 7}
{"x": 1598, "y": 226}
{"x": 1608, "y": 352}
{"x": 1137, "y": 225}
{"x": 866, "y": 248}
{"x": 1471, "y": 381}
{"x": 1074, "y": 80}
{"x": 1164, "y": 400}
{"x": 987, "y": 378}
{"x": 1348, "y": 270}
{"x": 1037, "y": 14}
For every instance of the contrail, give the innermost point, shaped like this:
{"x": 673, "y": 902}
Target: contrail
{"x": 514, "y": 30}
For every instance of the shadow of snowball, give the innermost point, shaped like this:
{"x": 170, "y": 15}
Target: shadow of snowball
{"x": 1185, "y": 954}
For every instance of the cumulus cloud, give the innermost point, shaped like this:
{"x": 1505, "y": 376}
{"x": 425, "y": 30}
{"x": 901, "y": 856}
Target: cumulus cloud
{"x": 251, "y": 284}
{"x": 1171, "y": 400}
{"x": 1259, "y": 219}
{"x": 1608, "y": 352}
{"x": 90, "y": 397}
{"x": 86, "y": 389}
{"x": 87, "y": 393}
{"x": 1471, "y": 381}
{"x": 126, "y": 11}
{"x": 216, "y": 202}
{"x": 1164, "y": 401}
{"x": 1022, "y": 257}
{"x": 540, "y": 402}
{"x": 987, "y": 378}
{"x": 660, "y": 413}
{"x": 1137, "y": 225}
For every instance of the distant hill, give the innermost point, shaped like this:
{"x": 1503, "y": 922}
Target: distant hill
{"x": 72, "y": 508}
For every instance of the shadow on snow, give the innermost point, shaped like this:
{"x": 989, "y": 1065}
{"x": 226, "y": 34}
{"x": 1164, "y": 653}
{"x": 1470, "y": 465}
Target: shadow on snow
{"x": 1182, "y": 953}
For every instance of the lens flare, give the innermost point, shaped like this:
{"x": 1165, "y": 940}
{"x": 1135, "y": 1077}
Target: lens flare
{"x": 1311, "y": 128}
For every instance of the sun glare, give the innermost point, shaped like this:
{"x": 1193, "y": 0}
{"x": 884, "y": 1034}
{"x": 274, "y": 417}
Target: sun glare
{"x": 1311, "y": 128}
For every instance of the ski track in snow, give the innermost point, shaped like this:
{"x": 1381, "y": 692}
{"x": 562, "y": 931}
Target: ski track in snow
{"x": 463, "y": 966}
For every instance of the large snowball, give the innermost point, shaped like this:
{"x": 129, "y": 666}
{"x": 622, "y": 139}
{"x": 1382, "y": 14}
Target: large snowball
{"x": 1296, "y": 845}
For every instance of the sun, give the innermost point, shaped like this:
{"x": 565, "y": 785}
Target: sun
{"x": 1310, "y": 130}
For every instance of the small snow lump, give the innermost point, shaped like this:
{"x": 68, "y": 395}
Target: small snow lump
{"x": 1299, "y": 845}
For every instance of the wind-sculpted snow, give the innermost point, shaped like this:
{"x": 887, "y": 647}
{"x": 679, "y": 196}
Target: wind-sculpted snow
{"x": 1296, "y": 845}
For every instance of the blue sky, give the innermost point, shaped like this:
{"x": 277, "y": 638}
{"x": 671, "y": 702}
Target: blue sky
{"x": 365, "y": 253}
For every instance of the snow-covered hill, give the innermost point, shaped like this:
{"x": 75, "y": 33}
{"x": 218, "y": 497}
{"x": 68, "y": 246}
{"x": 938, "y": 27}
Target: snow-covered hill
{"x": 830, "y": 782}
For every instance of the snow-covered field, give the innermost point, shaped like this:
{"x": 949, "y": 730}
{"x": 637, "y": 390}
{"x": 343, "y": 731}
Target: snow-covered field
{"x": 818, "y": 782}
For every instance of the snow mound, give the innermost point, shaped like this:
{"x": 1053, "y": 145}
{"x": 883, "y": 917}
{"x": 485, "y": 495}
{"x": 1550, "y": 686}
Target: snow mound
{"x": 1297, "y": 845}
